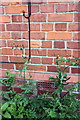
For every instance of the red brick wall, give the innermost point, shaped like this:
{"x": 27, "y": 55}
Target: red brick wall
{"x": 55, "y": 31}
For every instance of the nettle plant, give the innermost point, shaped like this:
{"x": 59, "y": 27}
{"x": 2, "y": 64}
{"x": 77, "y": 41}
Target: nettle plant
{"x": 55, "y": 105}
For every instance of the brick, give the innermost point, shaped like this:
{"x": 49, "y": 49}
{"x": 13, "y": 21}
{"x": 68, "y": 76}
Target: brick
{"x": 54, "y": 69}
{"x": 4, "y": 35}
{"x": 16, "y": 18}
{"x": 15, "y": 9}
{"x": 2, "y": 3}
{"x": 4, "y": 19}
{"x": 68, "y": 63}
{"x": 59, "y": 44}
{"x": 17, "y": 27}
{"x": 61, "y": 7}
{"x": 18, "y": 52}
{"x": 35, "y": 44}
{"x": 64, "y": 53}
{"x": 16, "y": 59}
{"x": 74, "y": 27}
{"x": 38, "y": 18}
{"x": 15, "y": 2}
{"x": 59, "y": 1}
{"x": 38, "y": 52}
{"x": 34, "y": 35}
{"x": 51, "y": 69}
{"x": 38, "y": 35}
{"x": 60, "y": 17}
{"x": 13, "y": 43}
{"x": 47, "y": 8}
{"x": 2, "y": 27}
{"x": 76, "y": 53}
{"x": 37, "y": 67}
{"x": 4, "y": 58}
{"x": 1, "y": 10}
{"x": 47, "y": 26}
{"x": 7, "y": 51}
{"x": 73, "y": 45}
{"x": 77, "y": 17}
{"x": 47, "y": 60}
{"x": 76, "y": 36}
{"x": 46, "y": 44}
{"x": 6, "y": 66}
{"x": 35, "y": 27}
{"x": 60, "y": 26}
{"x": 35, "y": 60}
{"x": 33, "y": 67}
{"x": 75, "y": 70}
{"x": 59, "y": 36}
{"x": 2, "y": 43}
{"x": 34, "y": 8}
{"x": 74, "y": 7}
{"x": 25, "y": 35}
{"x": 16, "y": 35}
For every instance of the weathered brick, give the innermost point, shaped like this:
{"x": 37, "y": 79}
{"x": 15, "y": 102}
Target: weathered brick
{"x": 77, "y": 17}
{"x": 76, "y": 36}
{"x": 7, "y": 51}
{"x": 47, "y": 26}
{"x": 38, "y": 18}
{"x": 76, "y": 53}
{"x": 59, "y": 44}
{"x": 4, "y": 19}
{"x": 46, "y": 44}
{"x": 15, "y": 9}
{"x": 4, "y": 35}
{"x": 74, "y": 27}
{"x": 37, "y": 67}
{"x": 35, "y": 60}
{"x": 2, "y": 3}
{"x": 75, "y": 70}
{"x": 46, "y": 8}
{"x": 59, "y": 36}
{"x": 60, "y": 1}
{"x": 60, "y": 17}
{"x": 2, "y": 27}
{"x": 38, "y": 52}
{"x": 38, "y": 35}
{"x": 73, "y": 45}
{"x": 47, "y": 60}
{"x": 6, "y": 66}
{"x": 2, "y": 43}
{"x": 54, "y": 69}
{"x": 16, "y": 35}
{"x": 35, "y": 44}
{"x": 34, "y": 35}
{"x": 25, "y": 35}
{"x": 60, "y": 26}
{"x": 61, "y": 7}
{"x": 35, "y": 27}
{"x": 13, "y": 43}
{"x": 4, "y": 58}
{"x": 33, "y": 67}
{"x": 65, "y": 53}
{"x": 74, "y": 7}
{"x": 16, "y": 59}
{"x": 1, "y": 10}
{"x": 34, "y": 8}
{"x": 16, "y": 18}
{"x": 17, "y": 27}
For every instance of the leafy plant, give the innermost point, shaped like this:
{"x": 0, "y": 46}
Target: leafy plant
{"x": 55, "y": 105}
